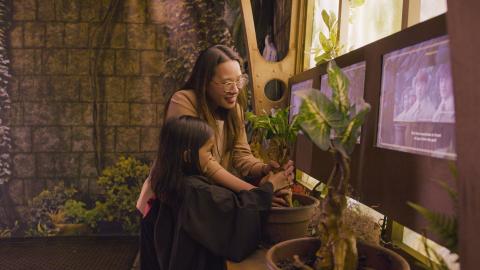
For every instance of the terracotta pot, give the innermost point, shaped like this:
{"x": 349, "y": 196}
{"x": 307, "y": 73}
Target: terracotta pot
{"x": 376, "y": 257}
{"x": 285, "y": 223}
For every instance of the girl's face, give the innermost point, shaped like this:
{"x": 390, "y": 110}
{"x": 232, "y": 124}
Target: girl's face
{"x": 205, "y": 153}
{"x": 224, "y": 88}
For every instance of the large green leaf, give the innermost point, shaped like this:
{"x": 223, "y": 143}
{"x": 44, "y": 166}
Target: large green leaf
{"x": 332, "y": 21}
{"x": 326, "y": 18}
{"x": 351, "y": 133}
{"x": 319, "y": 116}
{"x": 339, "y": 84}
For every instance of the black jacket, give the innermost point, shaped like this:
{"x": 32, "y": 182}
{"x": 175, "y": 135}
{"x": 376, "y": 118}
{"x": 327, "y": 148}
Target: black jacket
{"x": 213, "y": 224}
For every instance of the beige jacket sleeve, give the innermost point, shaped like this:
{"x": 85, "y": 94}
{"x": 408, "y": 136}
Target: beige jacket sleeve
{"x": 183, "y": 102}
{"x": 242, "y": 157}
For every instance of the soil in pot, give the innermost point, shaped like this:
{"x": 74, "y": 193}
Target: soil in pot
{"x": 370, "y": 256}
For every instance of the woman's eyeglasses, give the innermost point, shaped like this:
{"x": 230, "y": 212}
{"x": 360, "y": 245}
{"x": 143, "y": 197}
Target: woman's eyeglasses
{"x": 230, "y": 85}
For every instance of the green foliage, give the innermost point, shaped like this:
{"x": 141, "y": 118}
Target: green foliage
{"x": 330, "y": 46}
{"x": 121, "y": 184}
{"x": 433, "y": 255}
{"x": 275, "y": 130}
{"x": 442, "y": 224}
{"x": 43, "y": 206}
{"x": 6, "y": 232}
{"x": 332, "y": 124}
{"x": 445, "y": 226}
{"x": 200, "y": 25}
{"x": 275, "y": 124}
{"x": 76, "y": 212}
{"x": 356, "y": 3}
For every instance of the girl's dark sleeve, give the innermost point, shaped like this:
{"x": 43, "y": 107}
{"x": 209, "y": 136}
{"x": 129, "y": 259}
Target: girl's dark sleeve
{"x": 227, "y": 224}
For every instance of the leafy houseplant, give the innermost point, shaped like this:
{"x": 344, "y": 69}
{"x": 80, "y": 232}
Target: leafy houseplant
{"x": 330, "y": 46}
{"x": 275, "y": 131}
{"x": 334, "y": 125}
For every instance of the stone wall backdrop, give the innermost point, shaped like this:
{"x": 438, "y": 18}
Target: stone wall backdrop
{"x": 152, "y": 46}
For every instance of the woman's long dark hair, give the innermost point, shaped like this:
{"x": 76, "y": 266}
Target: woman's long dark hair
{"x": 202, "y": 74}
{"x": 180, "y": 140}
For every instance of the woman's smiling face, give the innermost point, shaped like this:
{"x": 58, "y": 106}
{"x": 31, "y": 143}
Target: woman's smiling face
{"x": 223, "y": 90}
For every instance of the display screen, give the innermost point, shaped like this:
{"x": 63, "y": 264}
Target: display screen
{"x": 356, "y": 76}
{"x": 417, "y": 112}
{"x": 295, "y": 100}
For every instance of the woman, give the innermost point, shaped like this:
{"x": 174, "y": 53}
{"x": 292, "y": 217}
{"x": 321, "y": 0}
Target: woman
{"x": 194, "y": 224}
{"x": 213, "y": 93}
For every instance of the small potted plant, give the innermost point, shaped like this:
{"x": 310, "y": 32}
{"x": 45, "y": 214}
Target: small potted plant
{"x": 333, "y": 125}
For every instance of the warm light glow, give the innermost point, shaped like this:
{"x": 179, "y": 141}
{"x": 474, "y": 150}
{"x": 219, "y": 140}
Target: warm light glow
{"x": 432, "y": 8}
{"x": 319, "y": 25}
{"x": 371, "y": 21}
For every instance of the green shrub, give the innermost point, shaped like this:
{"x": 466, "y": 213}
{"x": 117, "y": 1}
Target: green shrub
{"x": 121, "y": 185}
{"x": 43, "y": 206}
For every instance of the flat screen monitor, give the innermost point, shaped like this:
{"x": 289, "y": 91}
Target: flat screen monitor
{"x": 356, "y": 76}
{"x": 296, "y": 101}
{"x": 417, "y": 112}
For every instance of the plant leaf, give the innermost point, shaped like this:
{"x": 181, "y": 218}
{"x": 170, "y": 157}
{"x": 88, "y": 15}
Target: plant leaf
{"x": 319, "y": 116}
{"x": 351, "y": 133}
{"x": 326, "y": 18}
{"x": 339, "y": 84}
{"x": 445, "y": 226}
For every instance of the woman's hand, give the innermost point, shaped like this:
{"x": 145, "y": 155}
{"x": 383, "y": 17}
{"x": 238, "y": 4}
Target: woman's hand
{"x": 269, "y": 167}
{"x": 279, "y": 180}
{"x": 272, "y": 165}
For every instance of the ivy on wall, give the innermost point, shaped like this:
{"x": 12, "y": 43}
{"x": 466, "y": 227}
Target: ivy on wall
{"x": 5, "y": 106}
{"x": 98, "y": 45}
{"x": 5, "y": 139}
{"x": 200, "y": 25}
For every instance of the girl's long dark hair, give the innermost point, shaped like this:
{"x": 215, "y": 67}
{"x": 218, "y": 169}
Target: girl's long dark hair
{"x": 202, "y": 74}
{"x": 180, "y": 140}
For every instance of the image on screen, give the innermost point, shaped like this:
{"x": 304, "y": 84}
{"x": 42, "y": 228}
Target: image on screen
{"x": 296, "y": 101}
{"x": 356, "y": 75}
{"x": 417, "y": 113}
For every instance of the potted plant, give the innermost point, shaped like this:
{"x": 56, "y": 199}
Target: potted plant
{"x": 333, "y": 125}
{"x": 273, "y": 139}
{"x": 66, "y": 226}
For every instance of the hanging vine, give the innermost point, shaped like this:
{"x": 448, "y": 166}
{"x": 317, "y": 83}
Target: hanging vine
{"x": 97, "y": 45}
{"x": 5, "y": 103}
{"x": 5, "y": 107}
{"x": 197, "y": 26}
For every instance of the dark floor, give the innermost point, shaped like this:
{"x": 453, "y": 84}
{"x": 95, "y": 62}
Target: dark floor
{"x": 82, "y": 253}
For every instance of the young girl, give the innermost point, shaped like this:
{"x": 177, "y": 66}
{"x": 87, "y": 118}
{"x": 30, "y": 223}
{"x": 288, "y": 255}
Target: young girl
{"x": 193, "y": 223}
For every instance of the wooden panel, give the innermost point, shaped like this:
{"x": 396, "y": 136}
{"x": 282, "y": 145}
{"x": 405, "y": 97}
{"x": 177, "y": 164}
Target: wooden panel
{"x": 463, "y": 22}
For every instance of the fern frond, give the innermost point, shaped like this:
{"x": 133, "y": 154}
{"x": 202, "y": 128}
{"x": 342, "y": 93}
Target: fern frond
{"x": 443, "y": 225}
